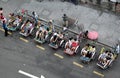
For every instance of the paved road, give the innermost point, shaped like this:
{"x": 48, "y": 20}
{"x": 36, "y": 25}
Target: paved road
{"x": 15, "y": 55}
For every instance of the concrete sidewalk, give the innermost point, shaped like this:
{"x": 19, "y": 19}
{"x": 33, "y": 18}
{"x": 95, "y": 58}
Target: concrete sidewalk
{"x": 106, "y": 24}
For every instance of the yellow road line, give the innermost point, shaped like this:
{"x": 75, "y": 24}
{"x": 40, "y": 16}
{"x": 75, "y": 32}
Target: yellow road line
{"x": 9, "y": 33}
{"x": 97, "y": 73}
{"x": 40, "y": 47}
{"x": 24, "y": 40}
{"x": 4, "y": 31}
{"x": 58, "y": 55}
{"x": 77, "y": 64}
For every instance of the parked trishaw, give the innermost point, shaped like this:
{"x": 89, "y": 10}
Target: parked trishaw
{"x": 106, "y": 58}
{"x": 56, "y": 40}
{"x": 42, "y": 34}
{"x": 72, "y": 46}
{"x": 27, "y": 27}
{"x": 87, "y": 53}
{"x": 15, "y": 21}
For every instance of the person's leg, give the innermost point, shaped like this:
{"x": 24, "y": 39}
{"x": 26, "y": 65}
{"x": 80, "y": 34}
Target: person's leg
{"x": 6, "y": 32}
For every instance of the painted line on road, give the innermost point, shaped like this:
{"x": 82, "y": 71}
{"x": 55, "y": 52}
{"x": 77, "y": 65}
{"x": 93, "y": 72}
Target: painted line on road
{"x": 40, "y": 47}
{"x": 42, "y": 76}
{"x": 27, "y": 74}
{"x": 77, "y": 64}
{"x": 9, "y": 33}
{"x": 97, "y": 73}
{"x": 25, "y": 40}
{"x": 58, "y": 55}
{"x": 4, "y": 31}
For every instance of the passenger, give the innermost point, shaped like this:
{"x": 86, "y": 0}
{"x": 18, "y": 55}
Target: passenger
{"x": 17, "y": 21}
{"x": 85, "y": 50}
{"x": 92, "y": 50}
{"x": 25, "y": 28}
{"x": 103, "y": 56}
{"x": 11, "y": 18}
{"x": 54, "y": 39}
{"x": 28, "y": 26}
{"x": 41, "y": 34}
{"x": 74, "y": 45}
{"x": 45, "y": 32}
{"x": 70, "y": 42}
{"x": 60, "y": 37}
{"x": 89, "y": 54}
{"x": 109, "y": 58}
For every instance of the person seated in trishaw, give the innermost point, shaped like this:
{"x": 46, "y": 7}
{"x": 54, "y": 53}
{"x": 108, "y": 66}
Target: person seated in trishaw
{"x": 26, "y": 28}
{"x": 105, "y": 59}
{"x": 53, "y": 40}
{"x": 11, "y": 18}
{"x": 71, "y": 46}
{"x": 87, "y": 53}
{"x": 41, "y": 34}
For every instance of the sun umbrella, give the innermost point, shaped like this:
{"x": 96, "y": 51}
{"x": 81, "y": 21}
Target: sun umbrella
{"x": 93, "y": 35}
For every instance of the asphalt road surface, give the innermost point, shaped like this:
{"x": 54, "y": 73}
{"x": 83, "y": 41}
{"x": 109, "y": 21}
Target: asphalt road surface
{"x": 18, "y": 53}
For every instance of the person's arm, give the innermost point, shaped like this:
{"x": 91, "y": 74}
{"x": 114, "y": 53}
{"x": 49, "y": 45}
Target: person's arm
{"x": 56, "y": 38}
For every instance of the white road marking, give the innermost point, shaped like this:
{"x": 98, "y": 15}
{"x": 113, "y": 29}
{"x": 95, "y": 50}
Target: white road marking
{"x": 42, "y": 76}
{"x": 27, "y": 74}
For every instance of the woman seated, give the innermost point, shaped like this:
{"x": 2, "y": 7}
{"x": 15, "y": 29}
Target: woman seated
{"x": 60, "y": 37}
{"x": 11, "y": 17}
{"x": 102, "y": 57}
{"x": 89, "y": 54}
{"x": 41, "y": 33}
{"x": 69, "y": 43}
{"x": 74, "y": 45}
{"x": 54, "y": 38}
{"x": 85, "y": 50}
{"x": 17, "y": 21}
{"x": 26, "y": 27}
{"x": 107, "y": 60}
{"x": 92, "y": 49}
